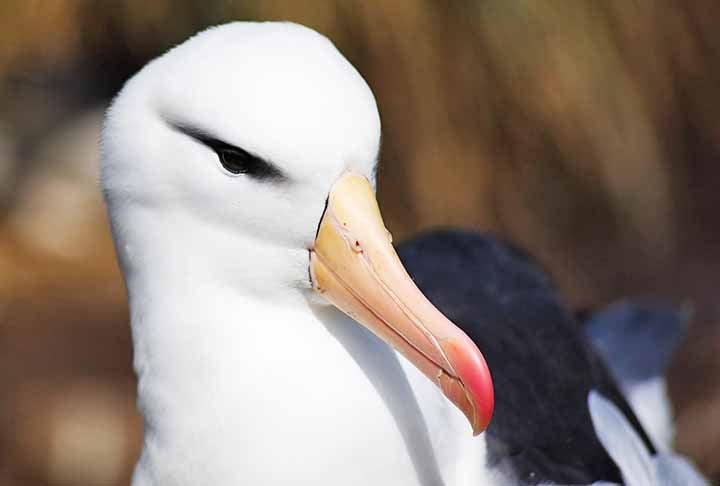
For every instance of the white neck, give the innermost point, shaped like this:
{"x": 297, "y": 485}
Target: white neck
{"x": 241, "y": 382}
{"x": 178, "y": 253}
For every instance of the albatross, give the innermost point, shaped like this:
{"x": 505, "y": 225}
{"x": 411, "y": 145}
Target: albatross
{"x": 278, "y": 339}
{"x": 239, "y": 175}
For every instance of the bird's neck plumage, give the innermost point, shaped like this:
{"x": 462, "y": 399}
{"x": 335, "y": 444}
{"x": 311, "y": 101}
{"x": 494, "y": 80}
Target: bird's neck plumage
{"x": 199, "y": 295}
{"x": 238, "y": 375}
{"x": 208, "y": 319}
{"x": 173, "y": 252}
{"x": 215, "y": 349}
{"x": 236, "y": 390}
{"x": 216, "y": 376}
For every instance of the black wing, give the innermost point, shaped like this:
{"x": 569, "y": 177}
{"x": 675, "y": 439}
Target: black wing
{"x": 541, "y": 366}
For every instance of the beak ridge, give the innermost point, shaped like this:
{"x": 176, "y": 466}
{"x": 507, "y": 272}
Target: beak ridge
{"x": 354, "y": 265}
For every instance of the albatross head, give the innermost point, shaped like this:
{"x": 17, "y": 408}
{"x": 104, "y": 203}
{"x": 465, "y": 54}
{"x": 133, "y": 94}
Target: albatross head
{"x": 247, "y": 154}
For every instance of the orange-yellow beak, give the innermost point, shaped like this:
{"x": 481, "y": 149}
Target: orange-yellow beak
{"x": 354, "y": 265}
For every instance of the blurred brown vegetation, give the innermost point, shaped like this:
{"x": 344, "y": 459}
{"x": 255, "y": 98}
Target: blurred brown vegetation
{"x": 587, "y": 132}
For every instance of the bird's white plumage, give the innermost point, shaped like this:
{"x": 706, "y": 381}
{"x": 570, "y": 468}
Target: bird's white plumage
{"x": 626, "y": 448}
{"x": 244, "y": 378}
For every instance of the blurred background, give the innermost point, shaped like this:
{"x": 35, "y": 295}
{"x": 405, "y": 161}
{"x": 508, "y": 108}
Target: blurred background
{"x": 586, "y": 132}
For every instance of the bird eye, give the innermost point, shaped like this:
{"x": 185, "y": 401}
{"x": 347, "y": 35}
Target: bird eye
{"x": 237, "y": 161}
{"x": 234, "y": 159}
{"x": 240, "y": 162}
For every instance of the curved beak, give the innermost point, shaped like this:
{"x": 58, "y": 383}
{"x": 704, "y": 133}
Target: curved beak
{"x": 354, "y": 265}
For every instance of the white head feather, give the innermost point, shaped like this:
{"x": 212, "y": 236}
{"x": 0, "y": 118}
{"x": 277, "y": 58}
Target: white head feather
{"x": 278, "y": 90}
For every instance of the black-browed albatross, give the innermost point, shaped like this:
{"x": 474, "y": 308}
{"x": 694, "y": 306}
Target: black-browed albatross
{"x": 239, "y": 173}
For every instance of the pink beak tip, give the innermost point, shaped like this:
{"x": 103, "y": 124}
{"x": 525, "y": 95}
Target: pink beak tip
{"x": 473, "y": 370}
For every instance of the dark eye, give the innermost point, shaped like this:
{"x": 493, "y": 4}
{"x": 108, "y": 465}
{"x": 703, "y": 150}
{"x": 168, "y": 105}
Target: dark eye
{"x": 240, "y": 162}
{"x": 234, "y": 159}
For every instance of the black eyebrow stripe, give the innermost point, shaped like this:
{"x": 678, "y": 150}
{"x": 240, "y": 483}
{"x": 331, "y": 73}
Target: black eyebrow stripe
{"x": 270, "y": 171}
